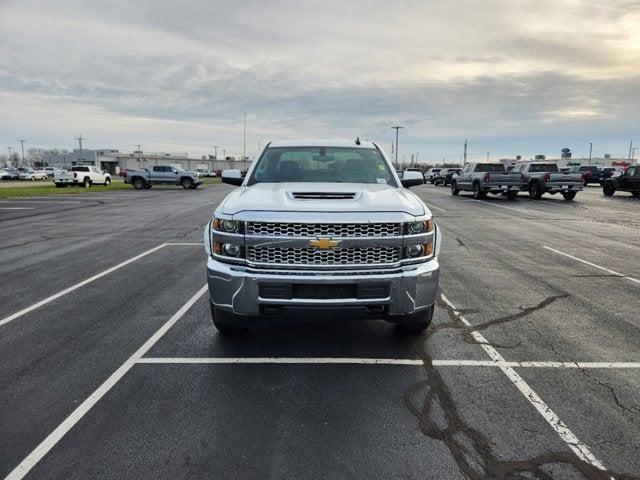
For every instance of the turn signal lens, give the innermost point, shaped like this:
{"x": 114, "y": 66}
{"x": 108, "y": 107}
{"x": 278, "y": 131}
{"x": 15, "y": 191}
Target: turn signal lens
{"x": 217, "y": 248}
{"x": 428, "y": 249}
{"x": 429, "y": 225}
{"x": 216, "y": 224}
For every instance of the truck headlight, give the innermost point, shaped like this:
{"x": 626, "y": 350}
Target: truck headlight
{"x": 418, "y": 251}
{"x": 231, "y": 249}
{"x": 227, "y": 226}
{"x": 420, "y": 226}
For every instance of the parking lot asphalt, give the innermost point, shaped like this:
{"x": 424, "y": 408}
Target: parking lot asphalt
{"x": 110, "y": 367}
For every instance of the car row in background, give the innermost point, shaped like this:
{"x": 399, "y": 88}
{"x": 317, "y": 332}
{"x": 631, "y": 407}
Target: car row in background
{"x": 10, "y": 173}
{"x": 537, "y": 178}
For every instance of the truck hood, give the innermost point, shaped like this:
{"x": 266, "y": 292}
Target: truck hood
{"x": 317, "y": 197}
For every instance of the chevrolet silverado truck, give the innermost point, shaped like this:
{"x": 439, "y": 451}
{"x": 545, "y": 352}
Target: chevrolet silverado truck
{"x": 540, "y": 178}
{"x": 483, "y": 178}
{"x": 81, "y": 175}
{"x": 321, "y": 230}
{"x": 629, "y": 181}
{"x": 162, "y": 174}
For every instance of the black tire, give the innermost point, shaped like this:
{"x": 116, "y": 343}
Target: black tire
{"x": 477, "y": 191}
{"x": 138, "y": 183}
{"x": 187, "y": 183}
{"x": 223, "y": 321}
{"x": 635, "y": 194}
{"x": 147, "y": 186}
{"x": 107, "y": 182}
{"x": 418, "y": 322}
{"x": 535, "y": 191}
{"x": 608, "y": 190}
{"x": 569, "y": 195}
{"x": 86, "y": 183}
{"x": 454, "y": 189}
{"x": 511, "y": 195}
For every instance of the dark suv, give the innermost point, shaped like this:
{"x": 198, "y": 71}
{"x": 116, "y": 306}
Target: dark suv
{"x": 629, "y": 181}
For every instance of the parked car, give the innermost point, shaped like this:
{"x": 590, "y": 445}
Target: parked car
{"x": 443, "y": 177}
{"x": 606, "y": 172}
{"x": 300, "y": 241}
{"x": 627, "y": 182}
{"x": 424, "y": 180}
{"x": 33, "y": 175}
{"x": 540, "y": 178}
{"x": 484, "y": 178}
{"x": 431, "y": 173}
{"x": 590, "y": 173}
{"x": 162, "y": 174}
{"x": 9, "y": 174}
{"x": 84, "y": 175}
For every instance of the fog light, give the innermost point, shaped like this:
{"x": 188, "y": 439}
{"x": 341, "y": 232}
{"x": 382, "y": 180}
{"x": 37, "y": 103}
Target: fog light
{"x": 414, "y": 251}
{"x": 230, "y": 226}
{"x": 231, "y": 249}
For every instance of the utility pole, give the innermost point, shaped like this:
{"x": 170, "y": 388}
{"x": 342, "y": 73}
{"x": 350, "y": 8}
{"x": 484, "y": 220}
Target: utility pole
{"x": 79, "y": 138}
{"x": 488, "y": 156}
{"x": 215, "y": 152}
{"x": 464, "y": 161}
{"x": 630, "y": 148}
{"x": 590, "y": 150}
{"x": 139, "y": 149}
{"x": 417, "y": 162}
{"x": 633, "y": 152}
{"x": 22, "y": 147}
{"x": 397, "y": 130}
{"x": 244, "y": 142}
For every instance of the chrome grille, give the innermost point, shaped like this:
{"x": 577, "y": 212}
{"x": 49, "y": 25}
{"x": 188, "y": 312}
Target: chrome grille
{"x": 324, "y": 229}
{"x": 314, "y": 256}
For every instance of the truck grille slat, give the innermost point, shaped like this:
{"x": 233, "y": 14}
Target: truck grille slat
{"x": 324, "y": 229}
{"x": 313, "y": 256}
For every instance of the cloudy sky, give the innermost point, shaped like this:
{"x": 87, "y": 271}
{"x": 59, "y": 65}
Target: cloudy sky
{"x": 516, "y": 77}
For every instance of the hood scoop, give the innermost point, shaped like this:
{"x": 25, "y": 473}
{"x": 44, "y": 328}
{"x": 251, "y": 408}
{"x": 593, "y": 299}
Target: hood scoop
{"x": 324, "y": 195}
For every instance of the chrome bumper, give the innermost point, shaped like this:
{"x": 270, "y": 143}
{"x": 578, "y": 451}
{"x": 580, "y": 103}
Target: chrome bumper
{"x": 237, "y": 288}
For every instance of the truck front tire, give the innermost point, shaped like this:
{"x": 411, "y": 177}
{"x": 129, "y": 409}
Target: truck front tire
{"x": 224, "y": 321}
{"x": 454, "y": 189}
{"x": 416, "y": 323}
{"x": 608, "y": 189}
{"x": 138, "y": 183}
{"x": 186, "y": 183}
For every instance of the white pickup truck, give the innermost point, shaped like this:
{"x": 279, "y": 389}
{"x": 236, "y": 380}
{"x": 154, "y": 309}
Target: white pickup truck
{"x": 85, "y": 175}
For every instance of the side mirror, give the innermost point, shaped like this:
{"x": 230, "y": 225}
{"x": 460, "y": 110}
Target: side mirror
{"x": 232, "y": 177}
{"x": 411, "y": 179}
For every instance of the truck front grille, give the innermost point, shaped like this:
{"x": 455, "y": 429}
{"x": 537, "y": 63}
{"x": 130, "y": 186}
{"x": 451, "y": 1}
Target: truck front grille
{"x": 313, "y": 256}
{"x": 324, "y": 229}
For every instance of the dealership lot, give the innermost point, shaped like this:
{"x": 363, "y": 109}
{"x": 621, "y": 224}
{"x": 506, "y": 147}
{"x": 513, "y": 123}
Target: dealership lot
{"x": 531, "y": 363}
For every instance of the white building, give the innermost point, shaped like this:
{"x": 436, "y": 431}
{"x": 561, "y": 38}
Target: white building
{"x": 115, "y": 161}
{"x": 600, "y": 162}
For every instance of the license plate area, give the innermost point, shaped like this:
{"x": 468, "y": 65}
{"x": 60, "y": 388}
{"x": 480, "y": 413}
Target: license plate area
{"x": 288, "y": 291}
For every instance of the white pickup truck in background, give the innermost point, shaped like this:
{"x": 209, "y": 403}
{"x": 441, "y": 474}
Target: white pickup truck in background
{"x": 84, "y": 175}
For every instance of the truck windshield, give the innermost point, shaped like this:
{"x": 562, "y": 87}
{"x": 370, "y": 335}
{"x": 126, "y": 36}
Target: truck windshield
{"x": 543, "y": 167}
{"x": 490, "y": 167}
{"x": 322, "y": 164}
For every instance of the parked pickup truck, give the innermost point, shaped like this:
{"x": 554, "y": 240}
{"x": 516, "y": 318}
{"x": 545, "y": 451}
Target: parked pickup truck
{"x": 162, "y": 174}
{"x": 321, "y": 231}
{"x": 84, "y": 175}
{"x": 483, "y": 178}
{"x": 590, "y": 173}
{"x": 540, "y": 178}
{"x": 629, "y": 181}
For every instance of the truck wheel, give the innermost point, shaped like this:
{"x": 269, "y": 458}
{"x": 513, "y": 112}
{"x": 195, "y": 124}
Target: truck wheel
{"x": 418, "y": 321}
{"x": 186, "y": 183}
{"x": 511, "y": 195}
{"x": 635, "y": 194}
{"x": 569, "y": 195}
{"x": 223, "y": 321}
{"x": 454, "y": 189}
{"x": 608, "y": 190}
{"x": 477, "y": 191}
{"x": 107, "y": 182}
{"x": 535, "y": 191}
{"x": 147, "y": 186}
{"x": 138, "y": 183}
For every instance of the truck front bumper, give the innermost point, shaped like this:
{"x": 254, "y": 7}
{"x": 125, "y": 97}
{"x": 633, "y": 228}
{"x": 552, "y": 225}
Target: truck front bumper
{"x": 389, "y": 294}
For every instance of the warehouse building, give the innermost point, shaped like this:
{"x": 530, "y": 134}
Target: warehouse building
{"x": 114, "y": 161}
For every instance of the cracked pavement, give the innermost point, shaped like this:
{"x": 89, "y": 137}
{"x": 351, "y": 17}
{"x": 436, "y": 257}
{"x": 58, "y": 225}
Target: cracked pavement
{"x": 321, "y": 420}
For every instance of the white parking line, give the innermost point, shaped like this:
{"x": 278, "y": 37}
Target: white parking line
{"x": 86, "y": 281}
{"x": 573, "y": 442}
{"x": 17, "y": 208}
{"x": 37, "y": 201}
{"x": 435, "y": 208}
{"x": 54, "y": 437}
{"x": 613, "y": 272}
{"x": 495, "y": 205}
{"x": 380, "y": 361}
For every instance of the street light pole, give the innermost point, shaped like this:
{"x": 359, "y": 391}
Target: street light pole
{"x": 397, "y": 130}
{"x": 215, "y": 152}
{"x": 590, "y": 150}
{"x": 22, "y": 147}
{"x": 244, "y": 142}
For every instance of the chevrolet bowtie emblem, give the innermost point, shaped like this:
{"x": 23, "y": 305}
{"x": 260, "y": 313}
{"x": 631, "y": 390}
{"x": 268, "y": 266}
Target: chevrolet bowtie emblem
{"x": 324, "y": 243}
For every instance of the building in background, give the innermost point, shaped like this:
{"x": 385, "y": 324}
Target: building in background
{"x": 600, "y": 162}
{"x": 114, "y": 161}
